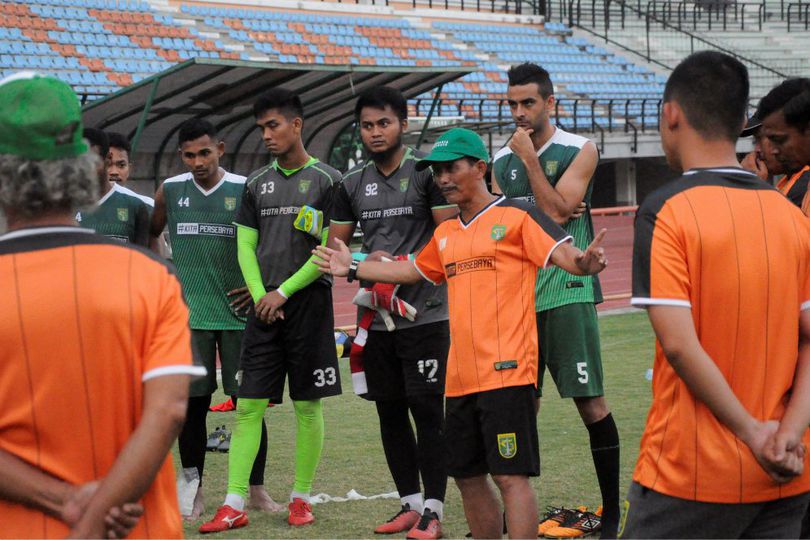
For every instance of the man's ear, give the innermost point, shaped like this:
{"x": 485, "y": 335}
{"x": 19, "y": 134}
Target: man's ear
{"x": 671, "y": 115}
{"x": 221, "y": 148}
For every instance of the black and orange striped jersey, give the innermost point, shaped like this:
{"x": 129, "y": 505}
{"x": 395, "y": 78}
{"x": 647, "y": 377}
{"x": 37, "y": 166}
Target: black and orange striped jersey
{"x": 734, "y": 251}
{"x": 490, "y": 265}
{"x": 86, "y": 321}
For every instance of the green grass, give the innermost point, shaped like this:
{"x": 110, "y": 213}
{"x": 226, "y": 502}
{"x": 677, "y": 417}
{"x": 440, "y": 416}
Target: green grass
{"x": 353, "y": 457}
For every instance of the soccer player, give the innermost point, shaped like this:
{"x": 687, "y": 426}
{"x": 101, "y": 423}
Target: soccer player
{"x": 96, "y": 348}
{"x": 398, "y": 208}
{"x": 199, "y": 207}
{"x": 290, "y": 332}
{"x": 489, "y": 258}
{"x": 723, "y": 449}
{"x": 119, "y": 168}
{"x": 552, "y": 169}
{"x": 760, "y": 160}
{"x": 120, "y": 213}
{"x": 785, "y": 113}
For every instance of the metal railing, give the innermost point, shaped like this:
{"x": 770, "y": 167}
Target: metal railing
{"x": 802, "y": 15}
{"x": 515, "y": 7}
{"x": 603, "y": 18}
{"x": 617, "y": 115}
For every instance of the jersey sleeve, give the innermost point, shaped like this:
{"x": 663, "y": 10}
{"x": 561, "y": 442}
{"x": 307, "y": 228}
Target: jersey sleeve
{"x": 660, "y": 271}
{"x": 246, "y": 215}
{"x": 168, "y": 350}
{"x": 342, "y": 211}
{"x": 428, "y": 262}
{"x": 805, "y": 300}
{"x": 142, "y": 222}
{"x": 541, "y": 236}
{"x": 326, "y": 202}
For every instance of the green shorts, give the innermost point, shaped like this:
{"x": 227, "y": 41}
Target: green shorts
{"x": 569, "y": 345}
{"x": 204, "y": 346}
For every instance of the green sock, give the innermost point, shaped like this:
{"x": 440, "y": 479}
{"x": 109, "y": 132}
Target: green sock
{"x": 308, "y": 443}
{"x": 245, "y": 442}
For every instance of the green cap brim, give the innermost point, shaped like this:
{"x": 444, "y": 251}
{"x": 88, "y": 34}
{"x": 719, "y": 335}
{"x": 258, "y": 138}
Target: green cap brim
{"x": 439, "y": 156}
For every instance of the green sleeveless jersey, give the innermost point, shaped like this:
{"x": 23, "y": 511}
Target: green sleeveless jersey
{"x": 203, "y": 239}
{"x": 555, "y": 287}
{"x": 121, "y": 214}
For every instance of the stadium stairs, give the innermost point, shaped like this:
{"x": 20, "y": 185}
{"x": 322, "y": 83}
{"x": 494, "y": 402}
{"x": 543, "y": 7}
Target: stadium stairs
{"x": 664, "y": 31}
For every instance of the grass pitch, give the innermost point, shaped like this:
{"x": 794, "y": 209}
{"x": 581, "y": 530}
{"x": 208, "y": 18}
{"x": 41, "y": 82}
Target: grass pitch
{"x": 353, "y": 456}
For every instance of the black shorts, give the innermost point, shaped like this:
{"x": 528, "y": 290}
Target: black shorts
{"x": 301, "y": 346}
{"x": 407, "y": 362}
{"x": 492, "y": 432}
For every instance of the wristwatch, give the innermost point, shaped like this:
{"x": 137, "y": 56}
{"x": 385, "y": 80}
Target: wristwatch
{"x": 352, "y": 275}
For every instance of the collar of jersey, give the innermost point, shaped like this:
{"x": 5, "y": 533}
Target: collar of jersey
{"x": 45, "y": 229}
{"x": 480, "y": 212}
{"x": 549, "y": 142}
{"x": 289, "y": 172}
{"x": 720, "y": 170}
{"x": 406, "y": 155}
{"x": 109, "y": 194}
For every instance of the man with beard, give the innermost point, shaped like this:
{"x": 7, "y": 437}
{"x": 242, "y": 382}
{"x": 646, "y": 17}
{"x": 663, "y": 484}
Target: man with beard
{"x": 398, "y": 209}
{"x": 553, "y": 169}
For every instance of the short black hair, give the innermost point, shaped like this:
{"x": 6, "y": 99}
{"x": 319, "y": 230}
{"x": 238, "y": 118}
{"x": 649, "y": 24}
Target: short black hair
{"x": 285, "y": 101}
{"x": 712, "y": 89}
{"x": 194, "y": 128}
{"x": 792, "y": 96}
{"x": 528, "y": 73}
{"x": 96, "y": 137}
{"x": 119, "y": 140}
{"x": 378, "y": 97}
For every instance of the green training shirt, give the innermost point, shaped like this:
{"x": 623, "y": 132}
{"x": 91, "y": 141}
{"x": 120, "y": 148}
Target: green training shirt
{"x": 555, "y": 287}
{"x": 203, "y": 239}
{"x": 121, "y": 214}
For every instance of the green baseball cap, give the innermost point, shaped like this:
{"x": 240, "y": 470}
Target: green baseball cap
{"x": 40, "y": 118}
{"x": 455, "y": 144}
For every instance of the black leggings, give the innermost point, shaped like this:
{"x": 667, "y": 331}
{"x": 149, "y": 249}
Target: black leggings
{"x": 410, "y": 454}
{"x": 194, "y": 437}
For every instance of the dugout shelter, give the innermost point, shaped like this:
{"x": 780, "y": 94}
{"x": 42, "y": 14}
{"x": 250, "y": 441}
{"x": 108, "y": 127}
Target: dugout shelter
{"x": 151, "y": 111}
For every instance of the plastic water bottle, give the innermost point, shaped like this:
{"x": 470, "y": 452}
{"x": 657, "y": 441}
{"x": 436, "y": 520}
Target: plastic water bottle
{"x": 649, "y": 374}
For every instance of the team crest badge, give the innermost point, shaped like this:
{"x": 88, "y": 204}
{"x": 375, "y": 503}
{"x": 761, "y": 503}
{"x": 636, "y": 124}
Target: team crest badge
{"x": 507, "y": 445}
{"x": 123, "y": 214}
{"x": 230, "y": 203}
{"x": 498, "y": 232}
{"x": 551, "y": 168}
{"x": 303, "y": 185}
{"x": 403, "y": 185}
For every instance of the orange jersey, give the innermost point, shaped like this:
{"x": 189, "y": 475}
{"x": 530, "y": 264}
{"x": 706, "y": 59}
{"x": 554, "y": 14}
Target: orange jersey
{"x": 490, "y": 265}
{"x": 86, "y": 320}
{"x": 735, "y": 252}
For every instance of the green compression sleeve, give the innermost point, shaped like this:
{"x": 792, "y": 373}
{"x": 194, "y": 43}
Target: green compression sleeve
{"x": 308, "y": 443}
{"x": 245, "y": 444}
{"x": 246, "y": 241}
{"x": 305, "y": 275}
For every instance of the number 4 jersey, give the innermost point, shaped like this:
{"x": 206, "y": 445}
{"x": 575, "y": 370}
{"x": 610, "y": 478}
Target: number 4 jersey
{"x": 203, "y": 239}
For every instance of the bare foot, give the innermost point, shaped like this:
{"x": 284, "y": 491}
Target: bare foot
{"x": 260, "y": 500}
{"x": 198, "y": 509}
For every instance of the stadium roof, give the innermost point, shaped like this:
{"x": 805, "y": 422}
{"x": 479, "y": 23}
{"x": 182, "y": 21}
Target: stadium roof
{"x": 222, "y": 91}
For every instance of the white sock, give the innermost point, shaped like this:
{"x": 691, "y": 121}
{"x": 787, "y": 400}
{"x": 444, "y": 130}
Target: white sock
{"x": 299, "y": 495}
{"x": 415, "y": 501}
{"x": 188, "y": 484}
{"x": 237, "y": 502}
{"x": 435, "y": 505}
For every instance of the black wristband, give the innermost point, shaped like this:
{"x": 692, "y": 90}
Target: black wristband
{"x": 352, "y": 275}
